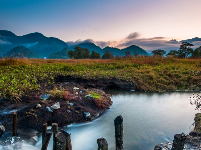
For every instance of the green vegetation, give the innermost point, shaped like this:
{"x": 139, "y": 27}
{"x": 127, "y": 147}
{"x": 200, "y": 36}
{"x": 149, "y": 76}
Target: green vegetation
{"x": 107, "y": 55}
{"x": 23, "y": 76}
{"x": 159, "y": 52}
{"x": 95, "y": 95}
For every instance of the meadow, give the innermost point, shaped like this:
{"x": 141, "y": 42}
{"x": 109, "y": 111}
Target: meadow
{"x": 23, "y": 76}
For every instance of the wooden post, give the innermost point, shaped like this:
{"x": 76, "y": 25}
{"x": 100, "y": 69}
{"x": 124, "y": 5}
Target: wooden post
{"x": 102, "y": 144}
{"x": 118, "y": 123}
{"x": 178, "y": 142}
{"x": 55, "y": 131}
{"x": 60, "y": 141}
{"x": 68, "y": 140}
{"x": 46, "y": 140}
{"x": 44, "y": 131}
{"x": 15, "y": 124}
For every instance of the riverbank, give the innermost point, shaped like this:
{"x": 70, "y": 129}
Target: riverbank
{"x": 74, "y": 102}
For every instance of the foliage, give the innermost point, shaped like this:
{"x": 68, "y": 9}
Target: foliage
{"x": 185, "y": 50}
{"x": 107, "y": 55}
{"x": 172, "y": 53}
{"x": 79, "y": 53}
{"x": 158, "y": 52}
{"x": 197, "y": 52}
{"x": 95, "y": 55}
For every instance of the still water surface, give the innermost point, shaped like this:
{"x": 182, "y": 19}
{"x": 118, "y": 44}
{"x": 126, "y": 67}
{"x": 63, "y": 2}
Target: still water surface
{"x": 149, "y": 119}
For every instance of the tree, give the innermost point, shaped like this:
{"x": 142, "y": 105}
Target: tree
{"x": 71, "y": 54}
{"x": 185, "y": 50}
{"x": 197, "y": 52}
{"x": 79, "y": 53}
{"x": 128, "y": 53}
{"x": 159, "y": 52}
{"x": 86, "y": 53}
{"x": 95, "y": 55}
{"x": 172, "y": 53}
{"x": 135, "y": 54}
{"x": 107, "y": 55}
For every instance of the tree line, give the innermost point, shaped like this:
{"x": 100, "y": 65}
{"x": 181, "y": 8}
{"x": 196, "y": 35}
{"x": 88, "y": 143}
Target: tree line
{"x": 184, "y": 51}
{"x": 84, "y": 53}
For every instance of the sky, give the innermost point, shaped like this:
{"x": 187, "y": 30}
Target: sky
{"x": 150, "y": 24}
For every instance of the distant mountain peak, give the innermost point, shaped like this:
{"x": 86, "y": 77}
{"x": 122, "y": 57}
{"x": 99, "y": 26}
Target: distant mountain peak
{"x": 7, "y": 33}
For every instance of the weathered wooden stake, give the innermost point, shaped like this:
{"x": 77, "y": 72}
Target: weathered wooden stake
{"x": 46, "y": 140}
{"x": 102, "y": 144}
{"x": 44, "y": 131}
{"x": 118, "y": 123}
{"x": 55, "y": 131}
{"x": 68, "y": 140}
{"x": 60, "y": 141}
{"x": 15, "y": 124}
{"x": 178, "y": 142}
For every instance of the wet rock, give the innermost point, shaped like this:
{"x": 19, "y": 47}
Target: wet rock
{"x": 2, "y": 130}
{"x": 163, "y": 146}
{"x": 38, "y": 106}
{"x": 33, "y": 140}
{"x": 48, "y": 110}
{"x": 14, "y": 143}
{"x": 55, "y": 106}
{"x": 44, "y": 96}
{"x": 87, "y": 115}
{"x": 71, "y": 104}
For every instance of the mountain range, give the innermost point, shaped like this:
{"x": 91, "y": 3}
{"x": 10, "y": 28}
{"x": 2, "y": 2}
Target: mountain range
{"x": 52, "y": 47}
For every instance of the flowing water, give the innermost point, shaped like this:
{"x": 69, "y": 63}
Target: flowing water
{"x": 148, "y": 119}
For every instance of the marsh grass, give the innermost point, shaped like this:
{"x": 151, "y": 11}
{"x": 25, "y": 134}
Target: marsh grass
{"x": 23, "y": 76}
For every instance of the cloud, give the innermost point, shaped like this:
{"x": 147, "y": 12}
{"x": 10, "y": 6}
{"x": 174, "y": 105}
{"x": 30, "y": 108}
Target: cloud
{"x": 147, "y": 44}
{"x": 133, "y": 35}
{"x": 29, "y": 44}
{"x": 72, "y": 43}
{"x": 4, "y": 42}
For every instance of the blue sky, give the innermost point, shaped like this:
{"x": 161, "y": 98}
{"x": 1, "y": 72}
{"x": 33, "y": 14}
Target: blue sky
{"x": 105, "y": 22}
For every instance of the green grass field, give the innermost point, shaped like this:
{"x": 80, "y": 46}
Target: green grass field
{"x": 22, "y": 76}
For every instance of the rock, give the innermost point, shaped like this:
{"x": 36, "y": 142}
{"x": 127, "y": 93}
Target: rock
{"x": 48, "y": 110}
{"x": 33, "y": 140}
{"x": 55, "y": 106}
{"x": 38, "y": 106}
{"x": 68, "y": 111}
{"x": 44, "y": 96}
{"x": 163, "y": 146}
{"x": 87, "y": 115}
{"x": 2, "y": 130}
{"x": 71, "y": 104}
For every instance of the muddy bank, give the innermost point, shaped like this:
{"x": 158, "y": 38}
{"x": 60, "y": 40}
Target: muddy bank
{"x": 100, "y": 83}
{"x": 73, "y": 98}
